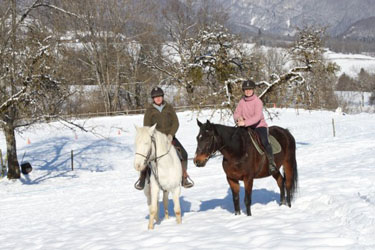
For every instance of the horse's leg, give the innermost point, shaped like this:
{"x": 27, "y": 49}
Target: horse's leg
{"x": 165, "y": 203}
{"x": 248, "y": 191}
{"x": 235, "y": 187}
{"x": 282, "y": 192}
{"x": 281, "y": 183}
{"x": 288, "y": 182}
{"x": 176, "y": 204}
{"x": 154, "y": 205}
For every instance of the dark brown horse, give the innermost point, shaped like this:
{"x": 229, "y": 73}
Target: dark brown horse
{"x": 242, "y": 161}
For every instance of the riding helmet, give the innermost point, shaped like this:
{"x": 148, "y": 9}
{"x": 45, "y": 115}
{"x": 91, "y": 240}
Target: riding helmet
{"x": 155, "y": 92}
{"x": 248, "y": 84}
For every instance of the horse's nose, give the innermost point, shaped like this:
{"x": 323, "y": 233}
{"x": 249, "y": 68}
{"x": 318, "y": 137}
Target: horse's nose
{"x": 195, "y": 161}
{"x": 199, "y": 162}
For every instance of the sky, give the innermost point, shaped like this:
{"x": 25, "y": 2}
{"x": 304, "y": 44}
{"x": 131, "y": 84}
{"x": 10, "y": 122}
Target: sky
{"x": 95, "y": 206}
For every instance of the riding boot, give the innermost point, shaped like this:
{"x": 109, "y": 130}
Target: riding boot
{"x": 182, "y": 155}
{"x": 185, "y": 180}
{"x": 272, "y": 169}
{"x": 140, "y": 183}
{"x": 185, "y": 177}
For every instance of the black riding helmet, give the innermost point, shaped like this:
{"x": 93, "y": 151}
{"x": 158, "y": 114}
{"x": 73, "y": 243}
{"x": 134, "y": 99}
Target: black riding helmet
{"x": 248, "y": 84}
{"x": 155, "y": 92}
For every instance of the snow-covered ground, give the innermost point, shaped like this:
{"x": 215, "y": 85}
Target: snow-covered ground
{"x": 351, "y": 64}
{"x": 95, "y": 206}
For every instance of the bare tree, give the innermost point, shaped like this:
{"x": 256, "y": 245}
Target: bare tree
{"x": 318, "y": 84}
{"x": 179, "y": 55}
{"x": 109, "y": 35}
{"x": 31, "y": 87}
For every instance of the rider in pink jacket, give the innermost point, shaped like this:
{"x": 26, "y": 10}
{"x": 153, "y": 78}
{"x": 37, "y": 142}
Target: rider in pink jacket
{"x": 249, "y": 114}
{"x": 250, "y": 109}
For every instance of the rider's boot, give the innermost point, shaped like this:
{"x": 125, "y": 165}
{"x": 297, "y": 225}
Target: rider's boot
{"x": 186, "y": 181}
{"x": 272, "y": 169}
{"x": 140, "y": 183}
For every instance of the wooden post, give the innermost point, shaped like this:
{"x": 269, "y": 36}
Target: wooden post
{"x": 333, "y": 127}
{"x": 2, "y": 165}
{"x": 71, "y": 159}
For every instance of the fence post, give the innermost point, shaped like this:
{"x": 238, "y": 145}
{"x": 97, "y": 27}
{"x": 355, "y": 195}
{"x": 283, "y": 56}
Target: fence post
{"x": 333, "y": 127}
{"x": 2, "y": 165}
{"x": 71, "y": 159}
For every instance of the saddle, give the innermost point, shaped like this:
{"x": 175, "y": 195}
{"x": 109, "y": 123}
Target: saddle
{"x": 255, "y": 139}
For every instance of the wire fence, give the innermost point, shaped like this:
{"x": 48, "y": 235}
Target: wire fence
{"x": 131, "y": 111}
{"x": 177, "y": 108}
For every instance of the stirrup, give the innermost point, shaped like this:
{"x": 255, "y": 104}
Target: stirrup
{"x": 137, "y": 185}
{"x": 273, "y": 170}
{"x": 186, "y": 183}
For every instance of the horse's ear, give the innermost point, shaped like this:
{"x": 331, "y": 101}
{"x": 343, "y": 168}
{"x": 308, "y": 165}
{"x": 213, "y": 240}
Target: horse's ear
{"x": 214, "y": 129}
{"x": 208, "y": 122}
{"x": 199, "y": 123}
{"x": 152, "y": 129}
{"x": 136, "y": 127}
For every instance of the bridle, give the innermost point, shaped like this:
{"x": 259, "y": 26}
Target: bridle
{"x": 148, "y": 159}
{"x": 211, "y": 145}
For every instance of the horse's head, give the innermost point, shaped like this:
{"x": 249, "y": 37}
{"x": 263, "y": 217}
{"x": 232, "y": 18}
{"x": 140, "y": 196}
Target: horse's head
{"x": 207, "y": 143}
{"x": 143, "y": 146}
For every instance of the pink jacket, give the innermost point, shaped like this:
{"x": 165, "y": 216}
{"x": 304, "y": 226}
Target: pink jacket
{"x": 251, "y": 110}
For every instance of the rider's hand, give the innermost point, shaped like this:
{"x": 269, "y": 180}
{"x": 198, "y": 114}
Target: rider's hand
{"x": 170, "y": 137}
{"x": 240, "y": 123}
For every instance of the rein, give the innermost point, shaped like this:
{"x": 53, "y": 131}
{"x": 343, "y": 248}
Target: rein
{"x": 213, "y": 154}
{"x": 156, "y": 158}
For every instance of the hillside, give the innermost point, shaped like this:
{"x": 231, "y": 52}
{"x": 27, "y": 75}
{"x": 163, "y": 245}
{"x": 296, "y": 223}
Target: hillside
{"x": 283, "y": 16}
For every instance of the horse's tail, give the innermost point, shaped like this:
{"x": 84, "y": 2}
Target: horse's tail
{"x": 293, "y": 162}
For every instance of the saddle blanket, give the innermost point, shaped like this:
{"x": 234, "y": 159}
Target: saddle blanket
{"x": 276, "y": 147}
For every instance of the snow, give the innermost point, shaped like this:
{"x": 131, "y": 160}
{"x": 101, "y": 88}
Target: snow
{"x": 351, "y": 64}
{"x": 95, "y": 206}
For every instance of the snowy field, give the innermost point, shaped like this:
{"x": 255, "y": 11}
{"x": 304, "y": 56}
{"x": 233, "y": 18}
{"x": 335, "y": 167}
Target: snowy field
{"x": 351, "y": 64}
{"x": 96, "y": 206}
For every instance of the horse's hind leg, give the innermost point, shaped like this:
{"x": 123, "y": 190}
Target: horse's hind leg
{"x": 176, "y": 204}
{"x": 235, "y": 187}
{"x": 165, "y": 203}
{"x": 281, "y": 183}
{"x": 289, "y": 182}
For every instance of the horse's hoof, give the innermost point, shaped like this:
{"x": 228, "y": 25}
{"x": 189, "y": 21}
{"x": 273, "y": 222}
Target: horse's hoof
{"x": 237, "y": 213}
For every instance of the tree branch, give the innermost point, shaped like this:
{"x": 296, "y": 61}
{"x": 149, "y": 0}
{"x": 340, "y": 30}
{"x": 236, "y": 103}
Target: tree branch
{"x": 13, "y": 99}
{"x": 293, "y": 75}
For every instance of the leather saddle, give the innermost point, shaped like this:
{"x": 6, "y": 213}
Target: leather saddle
{"x": 255, "y": 139}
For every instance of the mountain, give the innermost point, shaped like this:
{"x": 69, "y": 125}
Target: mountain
{"x": 363, "y": 30}
{"x": 282, "y": 17}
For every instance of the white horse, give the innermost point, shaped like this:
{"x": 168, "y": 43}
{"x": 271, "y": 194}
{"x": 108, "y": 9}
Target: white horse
{"x": 155, "y": 148}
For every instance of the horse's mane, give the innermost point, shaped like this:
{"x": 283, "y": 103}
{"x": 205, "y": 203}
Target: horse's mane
{"x": 161, "y": 139}
{"x": 235, "y": 139}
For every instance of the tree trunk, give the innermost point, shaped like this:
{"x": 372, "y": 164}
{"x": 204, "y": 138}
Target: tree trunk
{"x": 13, "y": 165}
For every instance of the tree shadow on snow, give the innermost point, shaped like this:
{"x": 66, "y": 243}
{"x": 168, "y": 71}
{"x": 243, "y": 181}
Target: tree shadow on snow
{"x": 53, "y": 156}
{"x": 261, "y": 196}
